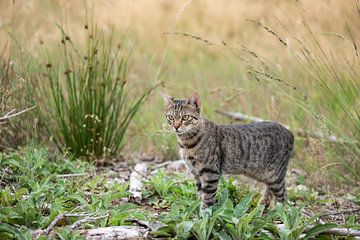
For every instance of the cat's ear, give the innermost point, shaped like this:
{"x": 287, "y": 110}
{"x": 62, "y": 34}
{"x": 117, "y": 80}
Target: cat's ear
{"x": 167, "y": 99}
{"x": 194, "y": 101}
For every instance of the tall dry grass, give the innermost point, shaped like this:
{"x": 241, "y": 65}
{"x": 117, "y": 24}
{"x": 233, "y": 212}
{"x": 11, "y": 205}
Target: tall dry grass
{"x": 247, "y": 68}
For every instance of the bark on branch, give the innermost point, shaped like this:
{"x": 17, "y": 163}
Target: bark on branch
{"x": 297, "y": 131}
{"x": 116, "y": 232}
{"x": 343, "y": 232}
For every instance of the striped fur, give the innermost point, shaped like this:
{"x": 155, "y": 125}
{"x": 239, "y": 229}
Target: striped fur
{"x": 258, "y": 150}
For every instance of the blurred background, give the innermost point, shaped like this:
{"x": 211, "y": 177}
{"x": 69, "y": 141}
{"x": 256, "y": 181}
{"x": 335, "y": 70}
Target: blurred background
{"x": 296, "y": 62}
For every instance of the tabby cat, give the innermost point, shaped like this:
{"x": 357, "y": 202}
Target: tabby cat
{"x": 258, "y": 150}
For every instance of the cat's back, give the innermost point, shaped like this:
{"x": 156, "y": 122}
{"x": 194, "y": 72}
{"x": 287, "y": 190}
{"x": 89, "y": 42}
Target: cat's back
{"x": 259, "y": 129}
{"x": 252, "y": 148}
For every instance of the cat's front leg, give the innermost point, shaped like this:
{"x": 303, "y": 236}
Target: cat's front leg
{"x": 197, "y": 182}
{"x": 196, "y": 176}
{"x": 209, "y": 178}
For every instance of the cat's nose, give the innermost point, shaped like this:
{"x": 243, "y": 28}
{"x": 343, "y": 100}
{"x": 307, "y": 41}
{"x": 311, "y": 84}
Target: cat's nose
{"x": 176, "y": 127}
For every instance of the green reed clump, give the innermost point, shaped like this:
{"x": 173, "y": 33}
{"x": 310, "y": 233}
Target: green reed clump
{"x": 85, "y": 99}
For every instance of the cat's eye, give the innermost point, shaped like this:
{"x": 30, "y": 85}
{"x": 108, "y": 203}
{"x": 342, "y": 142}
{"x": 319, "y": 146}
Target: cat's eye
{"x": 185, "y": 117}
{"x": 169, "y": 117}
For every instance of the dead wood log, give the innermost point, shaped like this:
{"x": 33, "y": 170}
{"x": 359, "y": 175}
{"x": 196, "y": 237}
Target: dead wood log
{"x": 116, "y": 232}
{"x": 298, "y": 131}
{"x": 337, "y": 231}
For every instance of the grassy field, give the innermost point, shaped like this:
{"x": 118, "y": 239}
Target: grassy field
{"x": 296, "y": 62}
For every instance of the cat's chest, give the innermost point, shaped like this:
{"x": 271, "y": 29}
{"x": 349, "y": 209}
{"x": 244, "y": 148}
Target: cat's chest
{"x": 190, "y": 158}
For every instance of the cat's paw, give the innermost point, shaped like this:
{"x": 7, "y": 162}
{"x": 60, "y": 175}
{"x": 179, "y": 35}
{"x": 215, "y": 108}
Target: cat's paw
{"x": 205, "y": 211}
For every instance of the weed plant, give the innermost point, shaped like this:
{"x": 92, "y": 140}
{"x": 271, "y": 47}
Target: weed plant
{"x": 85, "y": 99}
{"x": 34, "y": 190}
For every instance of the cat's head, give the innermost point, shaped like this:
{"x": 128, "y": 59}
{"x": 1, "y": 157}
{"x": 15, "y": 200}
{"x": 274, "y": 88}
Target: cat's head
{"x": 183, "y": 115}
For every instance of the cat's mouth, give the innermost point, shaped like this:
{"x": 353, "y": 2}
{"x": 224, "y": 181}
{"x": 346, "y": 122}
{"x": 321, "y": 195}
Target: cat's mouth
{"x": 178, "y": 131}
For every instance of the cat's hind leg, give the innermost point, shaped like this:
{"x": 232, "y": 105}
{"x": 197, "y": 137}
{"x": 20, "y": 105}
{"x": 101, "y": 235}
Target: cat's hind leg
{"x": 277, "y": 188}
{"x": 277, "y": 182}
{"x": 266, "y": 197}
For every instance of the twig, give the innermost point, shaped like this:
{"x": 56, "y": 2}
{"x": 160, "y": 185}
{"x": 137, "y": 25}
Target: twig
{"x": 85, "y": 214}
{"x": 58, "y": 218}
{"x": 344, "y": 232}
{"x": 141, "y": 223}
{"x": 340, "y": 213}
{"x": 78, "y": 223}
{"x": 72, "y": 175}
{"x": 240, "y": 116}
{"x": 115, "y": 232}
{"x": 10, "y": 114}
{"x": 298, "y": 131}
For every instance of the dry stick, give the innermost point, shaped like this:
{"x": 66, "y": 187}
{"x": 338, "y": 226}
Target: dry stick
{"x": 340, "y": 213}
{"x": 73, "y": 175}
{"x": 298, "y": 131}
{"x": 10, "y": 114}
{"x": 140, "y": 223}
{"x": 78, "y": 223}
{"x": 344, "y": 232}
{"x": 53, "y": 223}
{"x": 116, "y": 232}
{"x": 61, "y": 217}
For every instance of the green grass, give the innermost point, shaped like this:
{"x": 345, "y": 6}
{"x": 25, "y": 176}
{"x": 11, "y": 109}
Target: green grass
{"x": 34, "y": 191}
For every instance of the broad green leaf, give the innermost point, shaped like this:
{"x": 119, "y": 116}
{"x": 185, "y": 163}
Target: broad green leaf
{"x": 222, "y": 235}
{"x": 20, "y": 192}
{"x": 244, "y": 205}
{"x": 183, "y": 229}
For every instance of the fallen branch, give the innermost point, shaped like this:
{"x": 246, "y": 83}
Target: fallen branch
{"x": 57, "y": 219}
{"x": 78, "y": 223}
{"x": 174, "y": 165}
{"x": 116, "y": 232}
{"x": 298, "y": 131}
{"x": 334, "y": 213}
{"x": 343, "y": 232}
{"x": 140, "y": 223}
